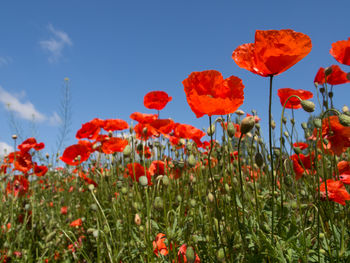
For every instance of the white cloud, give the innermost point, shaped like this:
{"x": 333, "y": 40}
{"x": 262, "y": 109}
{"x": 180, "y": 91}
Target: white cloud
{"x": 25, "y": 110}
{"x": 4, "y": 61}
{"x": 5, "y": 148}
{"x": 55, "y": 119}
{"x": 55, "y": 45}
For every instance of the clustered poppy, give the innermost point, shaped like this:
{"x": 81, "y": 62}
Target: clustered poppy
{"x": 208, "y": 93}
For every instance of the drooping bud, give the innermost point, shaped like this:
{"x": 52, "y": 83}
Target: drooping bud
{"x": 239, "y": 112}
{"x": 318, "y": 123}
{"x": 190, "y": 256}
{"x": 259, "y": 160}
{"x": 231, "y": 129}
{"x": 137, "y": 219}
{"x": 247, "y": 124}
{"x": 304, "y": 125}
{"x": 127, "y": 151}
{"x": 328, "y": 71}
{"x": 211, "y": 130}
{"x": 191, "y": 160}
{"x": 273, "y": 124}
{"x": 344, "y": 120}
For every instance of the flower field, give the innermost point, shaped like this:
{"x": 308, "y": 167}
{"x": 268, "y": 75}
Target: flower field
{"x": 163, "y": 191}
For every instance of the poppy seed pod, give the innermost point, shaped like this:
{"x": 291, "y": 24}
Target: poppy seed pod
{"x": 239, "y": 112}
{"x": 127, "y": 151}
{"x": 308, "y": 106}
{"x": 344, "y": 120}
{"x": 247, "y": 124}
{"x": 191, "y": 160}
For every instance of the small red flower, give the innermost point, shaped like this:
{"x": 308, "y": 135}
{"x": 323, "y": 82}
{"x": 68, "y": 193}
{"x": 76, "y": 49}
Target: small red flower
{"x": 336, "y": 77}
{"x": 75, "y": 154}
{"x": 114, "y": 144}
{"x": 156, "y": 100}
{"x": 18, "y": 187}
{"x": 336, "y": 191}
{"x": 181, "y": 255}
{"x": 159, "y": 246}
{"x": 341, "y": 51}
{"x": 301, "y": 145}
{"x": 40, "y": 170}
{"x": 293, "y": 103}
{"x": 115, "y": 125}
{"x": 143, "y": 117}
{"x": 64, "y": 210}
{"x": 188, "y": 132}
{"x": 76, "y": 223}
{"x": 135, "y": 171}
{"x": 88, "y": 130}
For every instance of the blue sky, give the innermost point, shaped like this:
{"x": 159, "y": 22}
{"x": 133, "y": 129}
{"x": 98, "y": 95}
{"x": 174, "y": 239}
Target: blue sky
{"x": 114, "y": 52}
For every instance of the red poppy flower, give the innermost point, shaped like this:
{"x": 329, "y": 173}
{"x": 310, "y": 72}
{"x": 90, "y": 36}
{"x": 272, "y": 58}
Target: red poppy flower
{"x": 75, "y": 154}
{"x": 337, "y": 135}
{"x": 156, "y": 100}
{"x": 302, "y": 164}
{"x": 293, "y": 103}
{"x": 143, "y": 117}
{"x": 344, "y": 171}
{"x": 145, "y": 131}
{"x": 181, "y": 255}
{"x": 188, "y": 132}
{"x": 22, "y": 161}
{"x": 88, "y": 180}
{"x": 88, "y": 130}
{"x": 18, "y": 187}
{"x": 40, "y": 170}
{"x": 147, "y": 153}
{"x": 273, "y": 52}
{"x": 115, "y": 125}
{"x": 209, "y": 93}
{"x": 336, "y": 77}
{"x": 114, "y": 144}
{"x": 135, "y": 171}
{"x": 76, "y": 223}
{"x": 157, "y": 168}
{"x": 164, "y": 126}
{"x": 341, "y": 51}
{"x": 159, "y": 245}
{"x": 336, "y": 192}
{"x": 301, "y": 145}
{"x": 28, "y": 144}
{"x": 64, "y": 210}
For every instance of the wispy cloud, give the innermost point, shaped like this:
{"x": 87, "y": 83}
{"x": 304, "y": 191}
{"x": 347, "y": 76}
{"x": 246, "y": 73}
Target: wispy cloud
{"x": 4, "y": 61}
{"x": 55, "y": 44}
{"x": 5, "y": 148}
{"x": 55, "y": 119}
{"x": 25, "y": 110}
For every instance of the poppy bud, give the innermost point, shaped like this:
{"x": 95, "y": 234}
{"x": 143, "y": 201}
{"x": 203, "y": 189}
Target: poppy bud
{"x": 284, "y": 120}
{"x": 137, "y": 219}
{"x": 158, "y": 203}
{"x": 193, "y": 203}
{"x": 247, "y": 124}
{"x": 231, "y": 129}
{"x": 221, "y": 255}
{"x": 191, "y": 160}
{"x": 318, "y": 123}
{"x": 14, "y": 136}
{"x": 286, "y": 134}
{"x": 277, "y": 152}
{"x": 297, "y": 150}
{"x": 328, "y": 71}
{"x": 211, "y": 130}
{"x": 127, "y": 151}
{"x": 273, "y": 124}
{"x": 344, "y": 120}
{"x": 308, "y": 106}
{"x": 322, "y": 90}
{"x": 210, "y": 197}
{"x": 345, "y": 109}
{"x": 95, "y": 233}
{"x": 304, "y": 125}
{"x": 292, "y": 121}
{"x": 330, "y": 94}
{"x": 239, "y": 112}
{"x": 143, "y": 180}
{"x": 165, "y": 180}
{"x": 259, "y": 159}
{"x": 190, "y": 255}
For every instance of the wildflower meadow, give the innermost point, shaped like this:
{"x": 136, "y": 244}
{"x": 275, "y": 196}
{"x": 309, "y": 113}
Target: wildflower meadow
{"x": 162, "y": 191}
